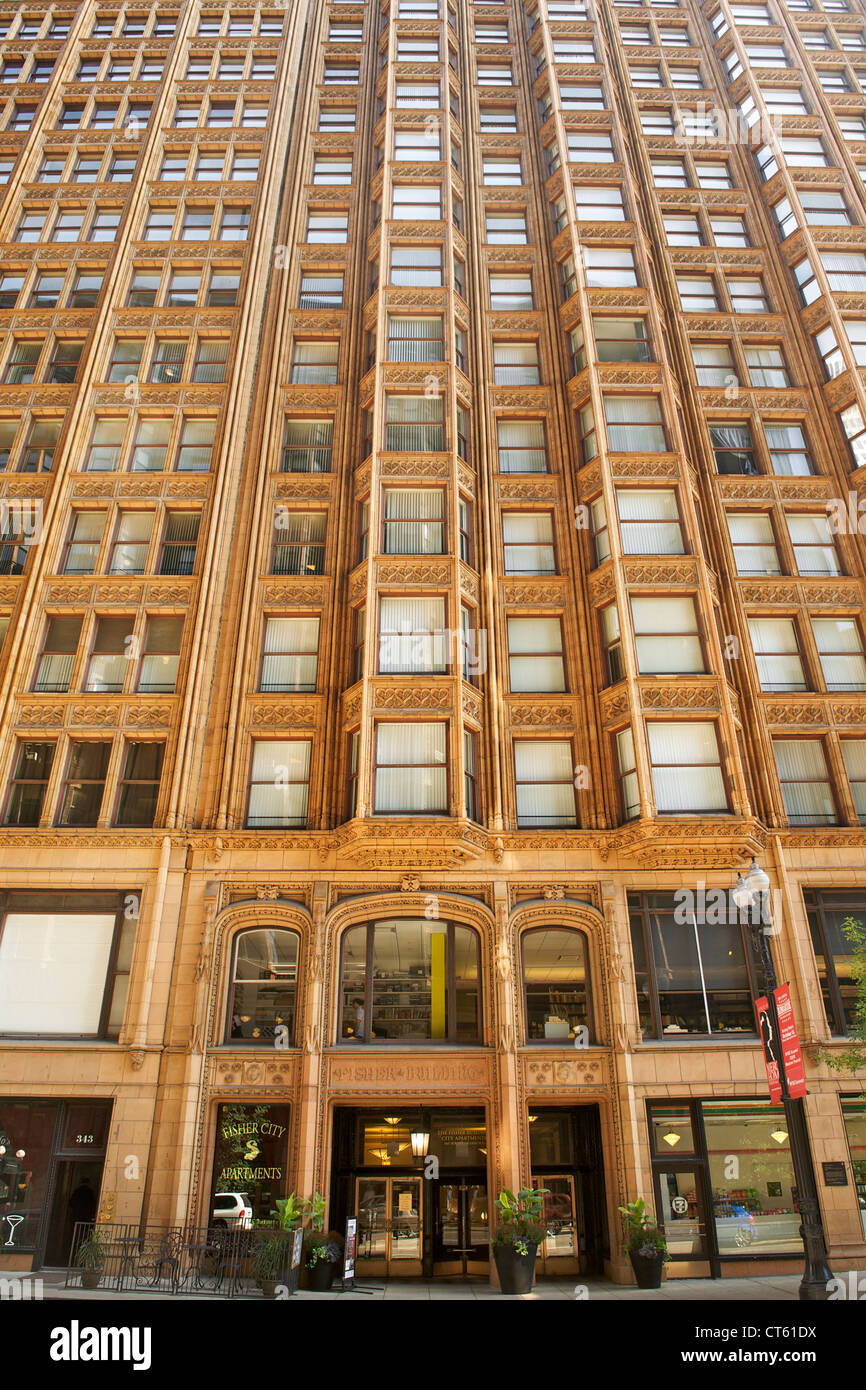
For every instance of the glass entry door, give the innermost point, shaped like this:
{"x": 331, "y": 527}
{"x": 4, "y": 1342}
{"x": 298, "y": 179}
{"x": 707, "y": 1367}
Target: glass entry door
{"x": 560, "y": 1242}
{"x": 682, "y": 1211}
{"x": 389, "y": 1226}
{"x": 461, "y": 1236}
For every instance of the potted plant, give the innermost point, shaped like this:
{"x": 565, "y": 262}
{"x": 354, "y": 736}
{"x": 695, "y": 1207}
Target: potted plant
{"x": 269, "y": 1262}
{"x": 645, "y": 1243}
{"x": 91, "y": 1257}
{"x": 322, "y": 1251}
{"x": 517, "y": 1237}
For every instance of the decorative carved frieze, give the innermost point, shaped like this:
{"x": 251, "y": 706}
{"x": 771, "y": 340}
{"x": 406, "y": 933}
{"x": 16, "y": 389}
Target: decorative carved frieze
{"x": 680, "y": 696}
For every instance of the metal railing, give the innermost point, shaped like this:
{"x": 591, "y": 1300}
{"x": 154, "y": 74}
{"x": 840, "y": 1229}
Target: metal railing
{"x": 220, "y": 1261}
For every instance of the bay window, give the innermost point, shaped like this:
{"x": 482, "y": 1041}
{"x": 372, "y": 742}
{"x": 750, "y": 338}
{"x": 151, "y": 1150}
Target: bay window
{"x": 411, "y": 775}
{"x": 415, "y": 340}
{"x": 627, "y": 773}
{"x": 621, "y": 340}
{"x": 649, "y": 521}
{"x": 634, "y": 424}
{"x": 410, "y": 980}
{"x": 598, "y": 203}
{"x": 686, "y": 771}
{"x": 609, "y": 268}
{"x": 544, "y": 782}
{"x": 279, "y": 783}
{"x": 414, "y": 424}
{"x": 412, "y": 636}
{"x": 417, "y": 203}
{"x": 666, "y": 635}
{"x": 854, "y": 758}
{"x": 413, "y": 521}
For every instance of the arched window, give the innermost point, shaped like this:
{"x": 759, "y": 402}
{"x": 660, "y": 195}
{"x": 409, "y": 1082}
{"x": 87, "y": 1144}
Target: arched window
{"x": 556, "y": 984}
{"x": 410, "y": 980}
{"x": 264, "y": 986}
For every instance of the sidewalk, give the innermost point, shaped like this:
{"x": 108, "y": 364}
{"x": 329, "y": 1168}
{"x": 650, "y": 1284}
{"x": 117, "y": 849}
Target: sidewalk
{"x": 778, "y": 1288}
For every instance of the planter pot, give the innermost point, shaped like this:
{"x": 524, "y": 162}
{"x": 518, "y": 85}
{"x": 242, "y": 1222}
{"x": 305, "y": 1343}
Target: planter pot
{"x": 647, "y": 1269}
{"x": 320, "y": 1276}
{"x": 90, "y": 1278}
{"x": 268, "y": 1287}
{"x": 515, "y": 1271}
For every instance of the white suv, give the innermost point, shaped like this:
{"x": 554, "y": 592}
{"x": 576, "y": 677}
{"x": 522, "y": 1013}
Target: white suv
{"x": 232, "y": 1210}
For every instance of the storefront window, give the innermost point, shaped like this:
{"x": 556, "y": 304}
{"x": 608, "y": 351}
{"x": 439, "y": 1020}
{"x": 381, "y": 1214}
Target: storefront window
{"x": 410, "y": 980}
{"x": 264, "y": 986}
{"x": 834, "y": 952}
{"x": 671, "y": 1130}
{"x": 250, "y": 1164}
{"x": 751, "y": 1178}
{"x": 556, "y": 980}
{"x": 692, "y": 974}
{"x": 27, "y": 1137}
{"x": 854, "y": 1115}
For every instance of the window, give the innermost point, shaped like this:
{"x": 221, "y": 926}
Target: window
{"x": 264, "y": 986}
{"x": 299, "y": 542}
{"x": 10, "y": 288}
{"x": 608, "y": 269}
{"x": 337, "y": 118}
{"x": 108, "y": 660}
{"x": 38, "y": 454}
{"x": 515, "y": 364}
{"x": 131, "y": 543}
{"x": 433, "y": 965}
{"x": 21, "y": 368}
{"x": 177, "y": 555}
{"x": 697, "y": 294}
{"x": 413, "y": 521}
{"x": 669, "y": 173}
{"x": 493, "y": 118}
{"x": 168, "y": 359}
{"x": 754, "y": 543}
{"x": 691, "y": 971}
{"x": 315, "y": 362}
{"x": 235, "y": 224}
{"x": 54, "y": 668}
{"x": 84, "y": 783}
{"x": 158, "y": 673}
{"x": 714, "y": 364}
{"x": 521, "y": 446}
{"x": 279, "y": 783}
{"x": 729, "y": 231}
{"x": 290, "y": 654}
{"x": 767, "y": 367}
{"x": 855, "y": 432}
{"x": 855, "y": 330}
{"x": 812, "y": 539}
{"x": 151, "y": 443}
{"x": 511, "y": 292}
{"x": 649, "y": 521}
{"x": 139, "y": 784}
{"x": 328, "y": 227}
{"x": 840, "y": 650}
{"x": 788, "y": 449}
{"x": 747, "y": 295}
{"x": 412, "y": 638}
{"x": 82, "y": 547}
{"x": 634, "y": 424}
{"x": 666, "y": 636}
{"x": 223, "y": 289}
{"x": 686, "y": 773}
{"x": 414, "y": 424}
{"x": 414, "y": 202}
{"x": 411, "y": 769}
{"x": 417, "y": 96}
{"x": 597, "y": 203}
{"x": 805, "y": 782}
{"x": 64, "y": 360}
{"x": 544, "y": 782}
{"x": 826, "y": 913}
{"x": 556, "y": 984}
{"x": 415, "y": 340}
{"x": 506, "y": 229}
{"x": 29, "y": 783}
{"x": 535, "y": 660}
{"x": 85, "y": 292}
{"x": 80, "y": 950}
{"x": 846, "y": 271}
{"x": 528, "y": 543}
{"x": 210, "y": 360}
{"x": 307, "y": 446}
{"x": 777, "y": 654}
{"x": 416, "y": 265}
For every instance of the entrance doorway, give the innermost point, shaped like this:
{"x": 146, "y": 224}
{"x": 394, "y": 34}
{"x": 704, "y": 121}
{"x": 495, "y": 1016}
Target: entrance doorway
{"x": 417, "y": 1182}
{"x": 567, "y": 1159}
{"x": 76, "y": 1193}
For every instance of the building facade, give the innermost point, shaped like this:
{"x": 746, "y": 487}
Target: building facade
{"x": 432, "y": 568}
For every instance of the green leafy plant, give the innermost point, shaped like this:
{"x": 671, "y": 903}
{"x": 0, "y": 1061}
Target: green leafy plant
{"x": 270, "y": 1257}
{"x": 853, "y": 1058}
{"x": 321, "y": 1247}
{"x": 316, "y": 1207}
{"x": 91, "y": 1251}
{"x": 520, "y": 1218}
{"x": 642, "y": 1235}
{"x": 290, "y": 1212}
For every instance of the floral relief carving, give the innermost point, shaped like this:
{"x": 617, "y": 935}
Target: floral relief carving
{"x": 413, "y": 697}
{"x": 287, "y": 714}
{"x": 41, "y": 715}
{"x": 541, "y": 714}
{"x": 97, "y": 714}
{"x": 680, "y": 697}
{"x": 286, "y": 592}
{"x": 419, "y": 573}
{"x": 533, "y": 593}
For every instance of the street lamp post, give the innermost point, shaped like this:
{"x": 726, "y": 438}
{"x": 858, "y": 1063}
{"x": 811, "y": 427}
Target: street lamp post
{"x": 817, "y": 1276}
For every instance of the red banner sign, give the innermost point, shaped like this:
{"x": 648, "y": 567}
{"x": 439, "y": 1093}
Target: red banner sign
{"x": 772, "y": 1048}
{"x": 792, "y": 1057}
